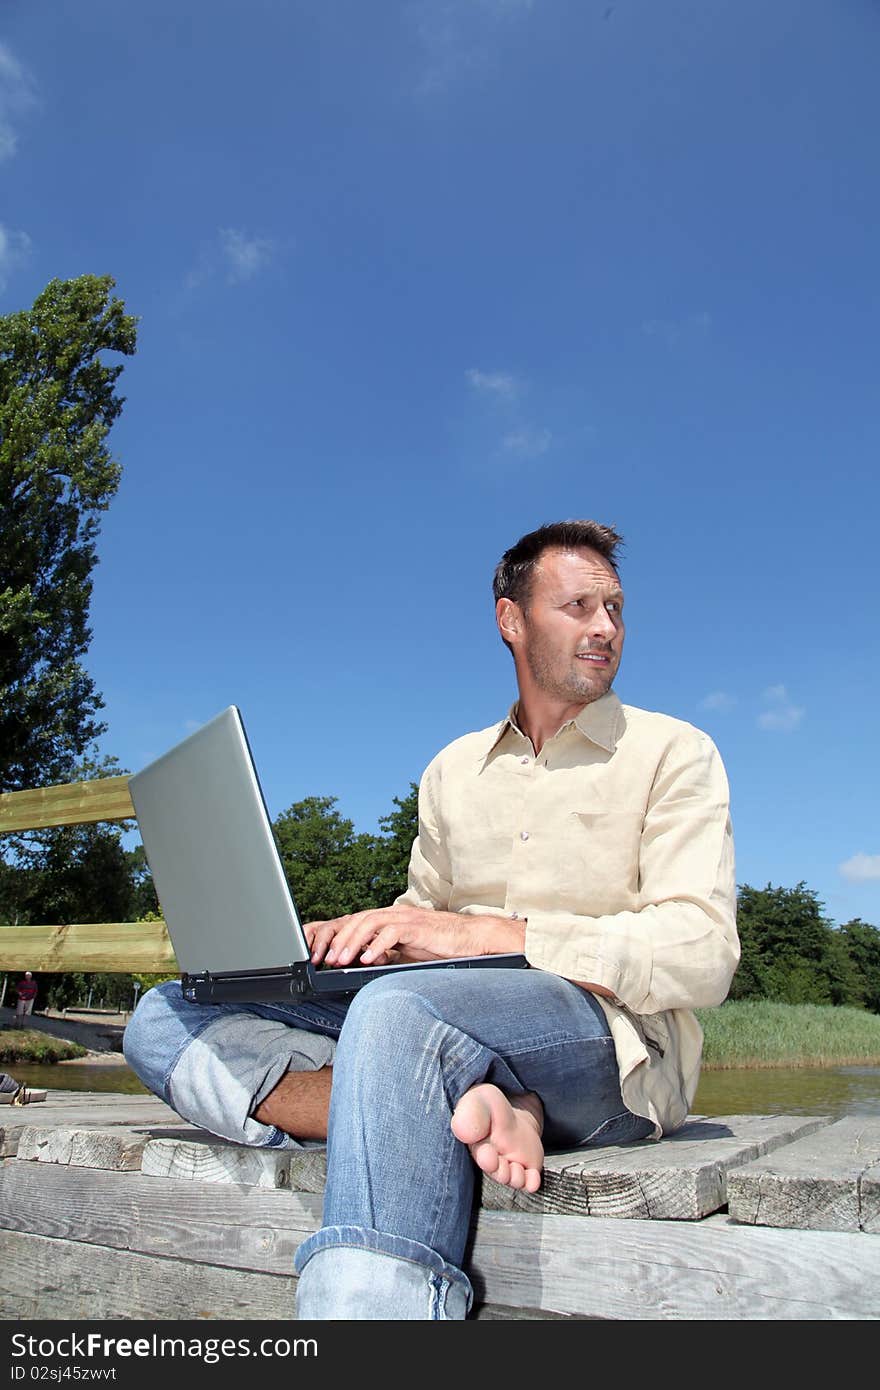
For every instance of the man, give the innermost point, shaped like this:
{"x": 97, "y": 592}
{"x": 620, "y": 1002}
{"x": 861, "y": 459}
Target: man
{"x": 591, "y": 836}
{"x": 26, "y": 990}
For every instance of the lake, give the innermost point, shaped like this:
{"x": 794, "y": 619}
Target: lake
{"x": 833, "y": 1091}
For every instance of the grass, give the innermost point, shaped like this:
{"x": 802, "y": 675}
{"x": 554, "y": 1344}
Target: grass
{"x": 29, "y": 1045}
{"x": 741, "y": 1033}
{"x": 758, "y": 1033}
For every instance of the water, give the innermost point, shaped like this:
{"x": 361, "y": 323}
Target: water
{"x": 833, "y": 1091}
{"x": 77, "y": 1076}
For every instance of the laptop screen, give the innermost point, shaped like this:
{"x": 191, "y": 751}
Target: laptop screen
{"x": 210, "y": 847}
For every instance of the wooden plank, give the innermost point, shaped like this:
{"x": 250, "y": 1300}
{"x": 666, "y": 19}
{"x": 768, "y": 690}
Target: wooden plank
{"x": 202, "y": 1157}
{"x": 683, "y": 1178}
{"x": 707, "y": 1270}
{"x": 115, "y": 947}
{"x": 825, "y": 1182}
{"x": 494, "y": 1312}
{"x": 86, "y": 1110}
{"x": 308, "y": 1169}
{"x": 178, "y": 1292}
{"x": 217, "y": 1163}
{"x": 118, "y": 1149}
{"x": 63, "y": 1279}
{"x": 236, "y": 1226}
{"x": 97, "y": 1109}
{"x": 603, "y": 1267}
{"x": 72, "y": 803}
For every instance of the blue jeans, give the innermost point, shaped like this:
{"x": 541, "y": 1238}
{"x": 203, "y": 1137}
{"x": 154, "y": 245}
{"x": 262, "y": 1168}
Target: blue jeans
{"x": 400, "y": 1186}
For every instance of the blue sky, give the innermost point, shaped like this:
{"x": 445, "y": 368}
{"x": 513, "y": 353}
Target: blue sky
{"x": 414, "y": 278}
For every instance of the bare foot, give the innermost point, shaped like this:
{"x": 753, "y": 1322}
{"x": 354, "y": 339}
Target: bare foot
{"x": 503, "y": 1134}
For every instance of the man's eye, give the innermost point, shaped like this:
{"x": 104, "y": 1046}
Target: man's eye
{"x": 613, "y": 606}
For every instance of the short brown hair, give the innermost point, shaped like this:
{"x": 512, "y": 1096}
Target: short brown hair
{"x": 515, "y": 569}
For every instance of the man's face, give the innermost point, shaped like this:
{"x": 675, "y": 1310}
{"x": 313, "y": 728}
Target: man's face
{"x": 570, "y": 634}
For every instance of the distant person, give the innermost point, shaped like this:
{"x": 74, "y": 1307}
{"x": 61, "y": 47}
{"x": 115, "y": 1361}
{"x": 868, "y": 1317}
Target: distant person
{"x": 26, "y": 990}
{"x": 589, "y": 835}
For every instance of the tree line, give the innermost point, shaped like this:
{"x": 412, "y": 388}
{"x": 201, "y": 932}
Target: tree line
{"x": 58, "y": 402}
{"x": 791, "y": 951}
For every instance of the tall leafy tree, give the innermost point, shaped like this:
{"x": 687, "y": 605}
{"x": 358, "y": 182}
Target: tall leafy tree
{"x": 862, "y": 943}
{"x": 331, "y": 869}
{"x": 399, "y": 829}
{"x": 790, "y": 951}
{"x": 58, "y": 401}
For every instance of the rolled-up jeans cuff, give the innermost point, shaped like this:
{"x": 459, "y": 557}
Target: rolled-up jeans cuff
{"x": 232, "y": 1065}
{"x": 354, "y": 1272}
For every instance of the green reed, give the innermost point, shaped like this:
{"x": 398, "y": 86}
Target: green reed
{"x": 759, "y": 1033}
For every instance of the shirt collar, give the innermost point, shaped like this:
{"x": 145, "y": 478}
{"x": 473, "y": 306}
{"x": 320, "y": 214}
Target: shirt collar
{"x": 601, "y": 722}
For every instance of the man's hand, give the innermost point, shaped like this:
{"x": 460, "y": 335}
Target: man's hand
{"x": 383, "y": 935}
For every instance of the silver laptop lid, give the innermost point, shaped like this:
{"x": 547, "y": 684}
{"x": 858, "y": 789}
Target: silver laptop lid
{"x": 212, "y": 854}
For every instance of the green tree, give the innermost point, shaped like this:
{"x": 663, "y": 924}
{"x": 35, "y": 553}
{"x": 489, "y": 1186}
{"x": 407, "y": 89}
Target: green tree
{"x": 72, "y": 873}
{"x": 330, "y": 869}
{"x": 57, "y": 404}
{"x": 790, "y": 952}
{"x": 861, "y": 941}
{"x": 399, "y": 829}
{"x": 146, "y": 901}
{"x": 333, "y": 870}
{"x": 58, "y": 401}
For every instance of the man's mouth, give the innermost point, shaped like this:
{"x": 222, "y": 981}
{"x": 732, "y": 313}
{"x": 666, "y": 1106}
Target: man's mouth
{"x": 600, "y": 658}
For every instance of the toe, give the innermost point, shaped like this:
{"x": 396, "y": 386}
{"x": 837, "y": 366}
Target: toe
{"x": 517, "y": 1176}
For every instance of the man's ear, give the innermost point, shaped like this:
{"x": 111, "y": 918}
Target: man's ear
{"x": 508, "y": 616}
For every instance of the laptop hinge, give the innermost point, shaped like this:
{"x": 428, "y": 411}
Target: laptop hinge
{"x": 254, "y": 986}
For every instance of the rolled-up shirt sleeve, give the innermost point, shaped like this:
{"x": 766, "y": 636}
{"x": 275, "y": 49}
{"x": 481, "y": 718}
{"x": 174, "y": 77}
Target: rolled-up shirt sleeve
{"x": 428, "y": 876}
{"x": 677, "y": 946}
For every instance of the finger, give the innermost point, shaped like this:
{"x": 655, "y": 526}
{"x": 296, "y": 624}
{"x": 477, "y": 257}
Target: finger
{"x": 360, "y": 928}
{"x": 320, "y": 934}
{"x": 383, "y": 942}
{"x": 394, "y": 940}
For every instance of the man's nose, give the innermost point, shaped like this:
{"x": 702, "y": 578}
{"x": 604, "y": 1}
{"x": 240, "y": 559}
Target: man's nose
{"x": 602, "y": 624}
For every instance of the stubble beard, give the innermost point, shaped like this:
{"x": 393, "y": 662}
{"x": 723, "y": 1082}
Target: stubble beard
{"x": 573, "y": 686}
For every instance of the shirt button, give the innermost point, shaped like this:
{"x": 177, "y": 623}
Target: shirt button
{"x": 524, "y": 760}
{"x": 524, "y": 835}
{"x": 515, "y": 916}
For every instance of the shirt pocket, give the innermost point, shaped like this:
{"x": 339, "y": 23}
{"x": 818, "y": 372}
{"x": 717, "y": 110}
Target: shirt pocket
{"x": 608, "y": 843}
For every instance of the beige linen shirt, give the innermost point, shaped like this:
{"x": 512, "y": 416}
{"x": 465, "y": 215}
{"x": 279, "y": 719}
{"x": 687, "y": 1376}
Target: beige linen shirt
{"x": 614, "y": 845}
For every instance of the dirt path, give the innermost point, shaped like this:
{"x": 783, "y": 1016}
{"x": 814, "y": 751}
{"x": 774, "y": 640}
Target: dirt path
{"x": 100, "y": 1033}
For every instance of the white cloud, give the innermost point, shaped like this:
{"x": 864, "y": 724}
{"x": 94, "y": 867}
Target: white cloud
{"x": 673, "y": 331}
{"x": 861, "y": 868}
{"x": 499, "y": 384}
{"x": 527, "y": 443}
{"x": 234, "y": 256}
{"x": 244, "y": 256}
{"x": 15, "y": 247}
{"x": 17, "y": 95}
{"x": 718, "y": 700}
{"x": 503, "y": 391}
{"x": 457, "y": 37}
{"x": 781, "y": 714}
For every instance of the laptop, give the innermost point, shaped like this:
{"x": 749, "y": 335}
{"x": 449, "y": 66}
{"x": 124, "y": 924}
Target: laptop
{"x": 227, "y": 904}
